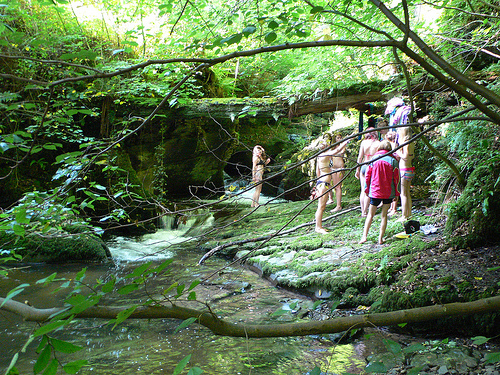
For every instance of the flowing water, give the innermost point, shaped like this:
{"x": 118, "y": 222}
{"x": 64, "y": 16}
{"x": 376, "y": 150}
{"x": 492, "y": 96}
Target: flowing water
{"x": 153, "y": 346}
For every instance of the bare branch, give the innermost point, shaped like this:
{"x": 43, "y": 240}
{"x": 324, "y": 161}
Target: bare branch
{"x": 224, "y": 328}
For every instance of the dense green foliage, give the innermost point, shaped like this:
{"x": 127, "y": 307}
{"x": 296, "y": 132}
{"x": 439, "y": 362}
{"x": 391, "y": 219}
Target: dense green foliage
{"x": 67, "y": 72}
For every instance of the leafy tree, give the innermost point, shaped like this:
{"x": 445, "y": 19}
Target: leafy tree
{"x": 56, "y": 71}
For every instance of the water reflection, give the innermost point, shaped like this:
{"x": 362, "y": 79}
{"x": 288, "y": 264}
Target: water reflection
{"x": 152, "y": 346}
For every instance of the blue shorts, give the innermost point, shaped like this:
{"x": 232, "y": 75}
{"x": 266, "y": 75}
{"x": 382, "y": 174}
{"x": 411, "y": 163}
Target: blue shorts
{"x": 363, "y": 170}
{"x": 377, "y": 201}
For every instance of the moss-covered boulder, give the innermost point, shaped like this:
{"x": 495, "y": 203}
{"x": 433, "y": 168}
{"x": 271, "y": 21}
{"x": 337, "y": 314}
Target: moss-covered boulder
{"x": 65, "y": 247}
{"x": 475, "y": 218}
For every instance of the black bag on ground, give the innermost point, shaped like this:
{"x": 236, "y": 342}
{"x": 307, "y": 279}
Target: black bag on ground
{"x": 412, "y": 226}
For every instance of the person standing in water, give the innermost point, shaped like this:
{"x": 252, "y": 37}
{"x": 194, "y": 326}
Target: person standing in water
{"x": 325, "y": 166}
{"x": 406, "y": 155}
{"x": 367, "y": 149}
{"x": 382, "y": 178}
{"x": 259, "y": 161}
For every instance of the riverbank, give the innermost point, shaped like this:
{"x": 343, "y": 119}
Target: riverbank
{"x": 348, "y": 277}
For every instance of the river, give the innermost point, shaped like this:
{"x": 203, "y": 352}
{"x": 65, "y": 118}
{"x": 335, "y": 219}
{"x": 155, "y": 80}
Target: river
{"x": 153, "y": 347}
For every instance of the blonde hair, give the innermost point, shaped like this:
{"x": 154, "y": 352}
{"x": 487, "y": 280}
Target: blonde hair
{"x": 391, "y": 136}
{"x": 258, "y": 148}
{"x": 385, "y": 145}
{"x": 372, "y": 134}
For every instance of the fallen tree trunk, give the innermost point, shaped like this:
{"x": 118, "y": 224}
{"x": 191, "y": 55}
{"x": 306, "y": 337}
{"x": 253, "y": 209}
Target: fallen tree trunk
{"x": 221, "y": 327}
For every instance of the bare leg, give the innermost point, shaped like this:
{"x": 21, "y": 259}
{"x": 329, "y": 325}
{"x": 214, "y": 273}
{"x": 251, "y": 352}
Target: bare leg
{"x": 366, "y": 205}
{"x": 394, "y": 207}
{"x": 383, "y": 223}
{"x": 336, "y": 178}
{"x": 364, "y": 200}
{"x": 256, "y": 195}
{"x": 368, "y": 222}
{"x": 405, "y": 198}
{"x": 321, "y": 208}
{"x": 330, "y": 197}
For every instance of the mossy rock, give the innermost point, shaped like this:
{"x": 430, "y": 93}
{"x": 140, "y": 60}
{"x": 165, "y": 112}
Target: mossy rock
{"x": 475, "y": 218}
{"x": 66, "y": 247}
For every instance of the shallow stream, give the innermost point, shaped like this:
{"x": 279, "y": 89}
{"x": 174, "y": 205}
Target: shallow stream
{"x": 153, "y": 347}
{"x": 233, "y": 292}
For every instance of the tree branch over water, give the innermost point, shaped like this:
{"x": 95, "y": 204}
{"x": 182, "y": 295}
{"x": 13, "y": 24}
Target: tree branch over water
{"x": 224, "y": 328}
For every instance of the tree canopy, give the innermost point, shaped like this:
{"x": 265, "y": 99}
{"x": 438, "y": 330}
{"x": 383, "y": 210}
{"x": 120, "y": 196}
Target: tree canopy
{"x": 65, "y": 64}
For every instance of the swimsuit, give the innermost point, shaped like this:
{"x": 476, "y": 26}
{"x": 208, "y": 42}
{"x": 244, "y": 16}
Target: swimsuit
{"x": 319, "y": 182}
{"x": 377, "y": 201}
{"x": 261, "y": 162}
{"x": 407, "y": 173}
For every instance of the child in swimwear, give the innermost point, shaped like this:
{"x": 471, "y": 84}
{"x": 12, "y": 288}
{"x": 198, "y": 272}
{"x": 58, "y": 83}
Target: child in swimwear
{"x": 382, "y": 178}
{"x": 406, "y": 154}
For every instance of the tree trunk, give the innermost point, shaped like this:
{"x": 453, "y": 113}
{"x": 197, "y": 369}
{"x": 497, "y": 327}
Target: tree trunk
{"x": 224, "y": 328}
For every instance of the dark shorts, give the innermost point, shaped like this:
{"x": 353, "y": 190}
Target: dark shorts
{"x": 377, "y": 201}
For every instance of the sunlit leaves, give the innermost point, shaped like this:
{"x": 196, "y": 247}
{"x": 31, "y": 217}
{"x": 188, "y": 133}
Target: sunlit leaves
{"x": 14, "y": 292}
{"x": 80, "y": 55}
{"x": 47, "y": 359}
{"x": 492, "y": 357}
{"x": 64, "y": 346}
{"x": 75, "y": 366}
{"x": 123, "y": 315}
{"x": 138, "y": 271}
{"x": 127, "y": 289}
{"x": 185, "y": 323}
{"x": 109, "y": 286}
{"x": 270, "y": 37}
{"x": 181, "y": 365}
{"x": 50, "y": 327}
{"x": 194, "y": 284}
{"x": 42, "y": 360}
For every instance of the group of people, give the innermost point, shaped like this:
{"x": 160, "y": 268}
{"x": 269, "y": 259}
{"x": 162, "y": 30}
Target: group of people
{"x": 385, "y": 172}
{"x": 384, "y": 175}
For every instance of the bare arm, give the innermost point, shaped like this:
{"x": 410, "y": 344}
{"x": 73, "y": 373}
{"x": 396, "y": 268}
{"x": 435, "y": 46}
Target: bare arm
{"x": 361, "y": 157}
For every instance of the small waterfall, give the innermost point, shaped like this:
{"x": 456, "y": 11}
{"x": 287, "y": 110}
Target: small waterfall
{"x": 174, "y": 229}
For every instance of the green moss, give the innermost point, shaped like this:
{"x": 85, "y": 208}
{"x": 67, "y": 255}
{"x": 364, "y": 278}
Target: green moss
{"x": 475, "y": 217}
{"x": 63, "y": 248}
{"x": 306, "y": 243}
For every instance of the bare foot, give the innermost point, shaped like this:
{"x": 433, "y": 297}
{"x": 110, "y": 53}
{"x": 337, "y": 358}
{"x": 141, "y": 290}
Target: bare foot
{"x": 391, "y": 213}
{"x": 362, "y": 240}
{"x": 337, "y": 209}
{"x": 329, "y": 202}
{"x": 381, "y": 242}
{"x": 320, "y": 230}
